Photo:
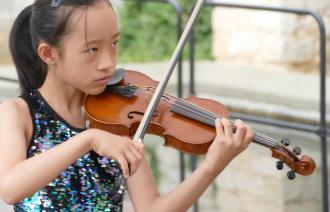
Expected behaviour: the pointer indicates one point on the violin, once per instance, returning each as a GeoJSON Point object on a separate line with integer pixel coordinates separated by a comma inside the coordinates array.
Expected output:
{"type": "Point", "coordinates": [187, 125]}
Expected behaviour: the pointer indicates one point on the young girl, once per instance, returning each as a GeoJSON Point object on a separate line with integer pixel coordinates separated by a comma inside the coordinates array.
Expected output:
{"type": "Point", "coordinates": [64, 50]}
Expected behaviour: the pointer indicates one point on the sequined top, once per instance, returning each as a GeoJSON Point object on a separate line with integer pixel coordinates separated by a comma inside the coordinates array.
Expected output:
{"type": "Point", "coordinates": [92, 183]}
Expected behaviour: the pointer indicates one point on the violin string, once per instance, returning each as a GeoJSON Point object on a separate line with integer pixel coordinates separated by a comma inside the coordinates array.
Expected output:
{"type": "Point", "coordinates": [189, 108]}
{"type": "Point", "coordinates": [262, 138]}
{"type": "Point", "coordinates": [258, 138]}
{"type": "Point", "coordinates": [203, 117]}
{"type": "Point", "coordinates": [212, 116]}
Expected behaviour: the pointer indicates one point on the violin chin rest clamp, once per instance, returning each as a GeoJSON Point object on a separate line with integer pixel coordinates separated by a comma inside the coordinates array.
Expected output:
{"type": "Point", "coordinates": [88, 124]}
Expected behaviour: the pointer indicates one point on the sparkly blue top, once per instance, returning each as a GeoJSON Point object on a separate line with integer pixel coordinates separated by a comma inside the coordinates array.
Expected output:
{"type": "Point", "coordinates": [92, 183]}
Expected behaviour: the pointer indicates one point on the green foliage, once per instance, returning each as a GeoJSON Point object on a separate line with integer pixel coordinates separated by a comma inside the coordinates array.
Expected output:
{"type": "Point", "coordinates": [148, 31]}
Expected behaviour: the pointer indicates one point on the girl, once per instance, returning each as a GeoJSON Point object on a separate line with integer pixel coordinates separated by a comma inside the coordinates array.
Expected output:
{"type": "Point", "coordinates": [63, 50]}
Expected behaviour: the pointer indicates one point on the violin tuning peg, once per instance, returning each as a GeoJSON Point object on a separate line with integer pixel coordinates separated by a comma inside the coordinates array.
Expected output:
{"type": "Point", "coordinates": [285, 141]}
{"type": "Point", "coordinates": [88, 124]}
{"type": "Point", "coordinates": [297, 150]}
{"type": "Point", "coordinates": [279, 165]}
{"type": "Point", "coordinates": [291, 175]}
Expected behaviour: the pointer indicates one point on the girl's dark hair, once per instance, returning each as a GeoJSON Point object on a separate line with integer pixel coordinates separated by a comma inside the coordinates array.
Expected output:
{"type": "Point", "coordinates": [39, 22]}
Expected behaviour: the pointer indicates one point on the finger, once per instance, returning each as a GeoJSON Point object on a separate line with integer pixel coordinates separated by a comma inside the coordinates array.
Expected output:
{"type": "Point", "coordinates": [228, 130]}
{"type": "Point", "coordinates": [133, 161]}
{"type": "Point", "coordinates": [124, 165]}
{"type": "Point", "coordinates": [139, 141]}
{"type": "Point", "coordinates": [139, 147]}
{"type": "Point", "coordinates": [249, 135]}
{"type": "Point", "coordinates": [219, 129]}
{"type": "Point", "coordinates": [240, 130]}
{"type": "Point", "coordinates": [136, 152]}
{"type": "Point", "coordinates": [134, 146]}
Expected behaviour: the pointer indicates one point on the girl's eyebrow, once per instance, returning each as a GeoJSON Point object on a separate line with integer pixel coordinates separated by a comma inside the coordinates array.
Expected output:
{"type": "Point", "coordinates": [117, 34]}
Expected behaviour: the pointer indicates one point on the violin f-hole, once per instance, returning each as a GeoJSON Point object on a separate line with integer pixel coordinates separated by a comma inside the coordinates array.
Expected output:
{"type": "Point", "coordinates": [131, 115]}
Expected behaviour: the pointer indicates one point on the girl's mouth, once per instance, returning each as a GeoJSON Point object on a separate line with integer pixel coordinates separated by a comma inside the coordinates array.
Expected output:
{"type": "Point", "coordinates": [103, 80]}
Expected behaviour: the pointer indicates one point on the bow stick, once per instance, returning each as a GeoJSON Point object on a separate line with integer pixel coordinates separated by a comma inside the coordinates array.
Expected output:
{"type": "Point", "coordinates": [141, 131]}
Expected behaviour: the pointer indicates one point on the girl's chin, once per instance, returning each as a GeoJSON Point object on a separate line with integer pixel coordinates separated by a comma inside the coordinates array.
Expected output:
{"type": "Point", "coordinates": [95, 91]}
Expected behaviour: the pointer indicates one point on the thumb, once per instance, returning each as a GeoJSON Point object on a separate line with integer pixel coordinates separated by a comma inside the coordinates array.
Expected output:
{"type": "Point", "coordinates": [139, 145]}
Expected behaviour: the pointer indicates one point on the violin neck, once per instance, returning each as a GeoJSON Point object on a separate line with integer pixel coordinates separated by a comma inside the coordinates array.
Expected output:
{"type": "Point", "coordinates": [196, 113]}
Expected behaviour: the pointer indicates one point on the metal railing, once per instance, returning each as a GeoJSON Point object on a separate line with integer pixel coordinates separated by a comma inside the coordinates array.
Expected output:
{"type": "Point", "coordinates": [9, 79]}
{"type": "Point", "coordinates": [319, 130]}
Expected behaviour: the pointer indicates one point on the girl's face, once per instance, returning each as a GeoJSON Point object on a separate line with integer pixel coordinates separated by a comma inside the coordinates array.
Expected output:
{"type": "Point", "coordinates": [89, 67]}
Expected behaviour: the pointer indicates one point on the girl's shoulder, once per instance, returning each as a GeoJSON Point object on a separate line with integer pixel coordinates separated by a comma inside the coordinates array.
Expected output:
{"type": "Point", "coordinates": [16, 106]}
{"type": "Point", "coordinates": [15, 113]}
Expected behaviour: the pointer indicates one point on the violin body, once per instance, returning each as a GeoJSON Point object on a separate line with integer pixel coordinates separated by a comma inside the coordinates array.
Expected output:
{"type": "Point", "coordinates": [121, 115]}
{"type": "Point", "coordinates": [187, 125]}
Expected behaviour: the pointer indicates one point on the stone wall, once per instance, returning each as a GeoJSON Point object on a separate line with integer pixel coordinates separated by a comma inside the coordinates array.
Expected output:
{"type": "Point", "coordinates": [8, 11]}
{"type": "Point", "coordinates": [268, 38]}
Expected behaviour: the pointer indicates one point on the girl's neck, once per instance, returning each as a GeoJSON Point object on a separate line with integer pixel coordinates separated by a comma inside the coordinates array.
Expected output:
{"type": "Point", "coordinates": [65, 100]}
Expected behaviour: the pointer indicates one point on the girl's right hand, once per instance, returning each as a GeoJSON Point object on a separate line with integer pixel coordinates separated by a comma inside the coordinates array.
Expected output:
{"type": "Point", "coordinates": [127, 152]}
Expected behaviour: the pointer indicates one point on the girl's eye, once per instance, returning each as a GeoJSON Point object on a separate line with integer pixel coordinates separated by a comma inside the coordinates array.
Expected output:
{"type": "Point", "coordinates": [115, 44]}
{"type": "Point", "coordinates": [92, 50]}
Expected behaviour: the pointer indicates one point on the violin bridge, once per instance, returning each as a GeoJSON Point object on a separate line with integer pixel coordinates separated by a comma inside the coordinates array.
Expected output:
{"type": "Point", "coordinates": [149, 95]}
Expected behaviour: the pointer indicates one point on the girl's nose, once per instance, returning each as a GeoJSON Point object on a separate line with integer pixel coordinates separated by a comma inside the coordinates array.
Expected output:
{"type": "Point", "coordinates": [108, 62]}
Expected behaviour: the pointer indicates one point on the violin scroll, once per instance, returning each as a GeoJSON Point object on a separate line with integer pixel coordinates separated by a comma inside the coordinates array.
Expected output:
{"type": "Point", "coordinates": [303, 166]}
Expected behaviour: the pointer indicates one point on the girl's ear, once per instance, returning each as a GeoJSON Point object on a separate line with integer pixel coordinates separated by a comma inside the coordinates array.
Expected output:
{"type": "Point", "coordinates": [47, 53]}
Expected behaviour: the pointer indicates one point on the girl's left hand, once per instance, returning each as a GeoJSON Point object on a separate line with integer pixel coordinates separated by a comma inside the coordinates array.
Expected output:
{"type": "Point", "coordinates": [227, 144]}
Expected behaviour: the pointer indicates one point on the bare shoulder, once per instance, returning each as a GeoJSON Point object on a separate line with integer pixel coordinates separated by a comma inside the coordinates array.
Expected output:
{"type": "Point", "coordinates": [14, 108]}
{"type": "Point", "coordinates": [15, 116]}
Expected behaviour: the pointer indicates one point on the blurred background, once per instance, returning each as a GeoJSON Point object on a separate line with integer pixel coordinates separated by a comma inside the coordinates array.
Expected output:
{"type": "Point", "coordinates": [258, 63]}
